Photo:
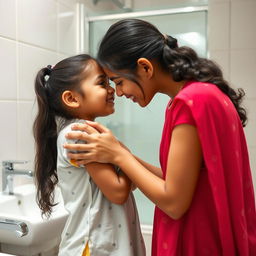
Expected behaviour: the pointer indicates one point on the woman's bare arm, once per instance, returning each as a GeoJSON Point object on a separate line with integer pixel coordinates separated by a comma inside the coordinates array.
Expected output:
{"type": "Point", "coordinates": [172, 195]}
{"type": "Point", "coordinates": [155, 170]}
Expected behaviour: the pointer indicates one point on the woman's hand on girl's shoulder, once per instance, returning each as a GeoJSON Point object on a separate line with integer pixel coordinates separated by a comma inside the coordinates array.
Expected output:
{"type": "Point", "coordinates": [101, 145]}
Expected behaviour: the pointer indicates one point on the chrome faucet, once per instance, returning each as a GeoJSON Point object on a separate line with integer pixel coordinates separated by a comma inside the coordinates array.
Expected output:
{"type": "Point", "coordinates": [18, 227]}
{"type": "Point", "coordinates": [8, 172]}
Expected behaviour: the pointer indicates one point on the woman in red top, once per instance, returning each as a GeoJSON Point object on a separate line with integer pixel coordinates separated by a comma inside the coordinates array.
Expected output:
{"type": "Point", "coordinates": [203, 191]}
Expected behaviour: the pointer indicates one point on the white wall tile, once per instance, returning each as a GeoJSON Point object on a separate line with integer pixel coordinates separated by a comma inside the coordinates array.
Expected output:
{"type": "Point", "coordinates": [23, 51]}
{"type": "Point", "coordinates": [37, 22]}
{"type": "Point", "coordinates": [67, 29]}
{"type": "Point", "coordinates": [8, 78]}
{"type": "Point", "coordinates": [243, 28]}
{"type": "Point", "coordinates": [61, 57]}
{"type": "Point", "coordinates": [240, 0]}
{"type": "Point", "coordinates": [8, 136]}
{"type": "Point", "coordinates": [222, 57]}
{"type": "Point", "coordinates": [217, 1]}
{"type": "Point", "coordinates": [218, 18]}
{"type": "Point", "coordinates": [8, 18]}
{"type": "Point", "coordinates": [251, 126]}
{"type": "Point", "coordinates": [69, 3]}
{"type": "Point", "coordinates": [252, 155]}
{"type": "Point", "coordinates": [242, 57]}
{"type": "Point", "coordinates": [25, 139]}
{"type": "Point", "coordinates": [250, 131]}
{"type": "Point", "coordinates": [148, 243]}
{"type": "Point", "coordinates": [161, 4]}
{"type": "Point", "coordinates": [243, 70]}
{"type": "Point", "coordinates": [102, 7]}
{"type": "Point", "coordinates": [31, 60]}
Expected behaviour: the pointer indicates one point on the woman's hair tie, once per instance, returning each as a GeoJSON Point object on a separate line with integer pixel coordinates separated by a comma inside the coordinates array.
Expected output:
{"type": "Point", "coordinates": [165, 37]}
{"type": "Point", "coordinates": [170, 41]}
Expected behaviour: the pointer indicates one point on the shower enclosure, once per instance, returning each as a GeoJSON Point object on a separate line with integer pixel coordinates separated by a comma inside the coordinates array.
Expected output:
{"type": "Point", "coordinates": [140, 128]}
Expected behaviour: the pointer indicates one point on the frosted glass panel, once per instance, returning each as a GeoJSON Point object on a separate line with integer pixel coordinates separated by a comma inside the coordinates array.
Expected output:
{"type": "Point", "coordinates": [140, 128]}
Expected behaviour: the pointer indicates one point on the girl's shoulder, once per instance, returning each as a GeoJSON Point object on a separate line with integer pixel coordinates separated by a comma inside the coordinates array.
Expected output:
{"type": "Point", "coordinates": [66, 126]}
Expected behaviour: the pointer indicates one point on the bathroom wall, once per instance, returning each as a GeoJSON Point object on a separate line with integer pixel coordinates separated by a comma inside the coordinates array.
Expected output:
{"type": "Point", "coordinates": [33, 34]}
{"type": "Point", "coordinates": [162, 4]}
{"type": "Point", "coordinates": [231, 41]}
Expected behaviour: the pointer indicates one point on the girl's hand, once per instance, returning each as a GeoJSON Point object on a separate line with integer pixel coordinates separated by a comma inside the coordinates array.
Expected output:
{"type": "Point", "coordinates": [101, 145]}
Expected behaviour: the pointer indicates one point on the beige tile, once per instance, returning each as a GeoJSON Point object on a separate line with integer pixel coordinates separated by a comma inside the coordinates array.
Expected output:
{"type": "Point", "coordinates": [250, 128]}
{"type": "Point", "coordinates": [222, 57]}
{"type": "Point", "coordinates": [241, 1]}
{"type": "Point", "coordinates": [243, 28]}
{"type": "Point", "coordinates": [250, 104]}
{"type": "Point", "coordinates": [217, 1]}
{"type": "Point", "coordinates": [243, 70]}
{"type": "Point", "coordinates": [219, 26]}
{"type": "Point", "coordinates": [252, 155]}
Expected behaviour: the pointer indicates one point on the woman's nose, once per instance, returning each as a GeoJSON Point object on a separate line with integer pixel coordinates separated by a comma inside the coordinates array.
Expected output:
{"type": "Point", "coordinates": [119, 92]}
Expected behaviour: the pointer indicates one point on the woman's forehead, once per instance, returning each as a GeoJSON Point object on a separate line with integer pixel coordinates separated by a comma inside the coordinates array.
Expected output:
{"type": "Point", "coordinates": [110, 73]}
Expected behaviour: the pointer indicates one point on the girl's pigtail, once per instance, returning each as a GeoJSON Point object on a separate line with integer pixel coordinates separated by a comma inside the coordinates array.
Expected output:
{"type": "Point", "coordinates": [45, 134]}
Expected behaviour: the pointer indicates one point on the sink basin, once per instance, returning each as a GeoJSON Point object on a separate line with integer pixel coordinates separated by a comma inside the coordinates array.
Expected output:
{"type": "Point", "coordinates": [22, 208]}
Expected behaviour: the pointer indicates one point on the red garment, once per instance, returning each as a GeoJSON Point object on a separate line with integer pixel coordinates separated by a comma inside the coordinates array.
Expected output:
{"type": "Point", "coordinates": [221, 219]}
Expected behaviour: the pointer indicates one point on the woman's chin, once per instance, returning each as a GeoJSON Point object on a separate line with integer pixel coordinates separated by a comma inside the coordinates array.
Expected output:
{"type": "Point", "coordinates": [142, 103]}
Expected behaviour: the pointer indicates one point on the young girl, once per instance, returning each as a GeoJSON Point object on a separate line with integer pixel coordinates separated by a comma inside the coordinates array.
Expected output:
{"type": "Point", "coordinates": [103, 217]}
{"type": "Point", "coordinates": [203, 192]}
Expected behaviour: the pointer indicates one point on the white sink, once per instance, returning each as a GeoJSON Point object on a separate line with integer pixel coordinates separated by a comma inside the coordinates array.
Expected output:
{"type": "Point", "coordinates": [22, 208]}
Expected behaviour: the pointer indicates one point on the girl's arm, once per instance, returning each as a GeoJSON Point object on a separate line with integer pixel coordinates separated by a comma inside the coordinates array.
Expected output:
{"type": "Point", "coordinates": [173, 195]}
{"type": "Point", "coordinates": [115, 186]}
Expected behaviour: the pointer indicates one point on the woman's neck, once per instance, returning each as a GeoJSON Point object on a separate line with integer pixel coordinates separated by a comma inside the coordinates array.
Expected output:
{"type": "Point", "coordinates": [169, 87]}
{"type": "Point", "coordinates": [165, 83]}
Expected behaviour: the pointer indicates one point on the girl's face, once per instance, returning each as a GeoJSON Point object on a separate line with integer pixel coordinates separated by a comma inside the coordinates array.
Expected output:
{"type": "Point", "coordinates": [97, 97]}
{"type": "Point", "coordinates": [124, 87]}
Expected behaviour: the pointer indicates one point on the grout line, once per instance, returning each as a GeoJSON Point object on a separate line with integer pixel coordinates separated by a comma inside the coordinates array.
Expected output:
{"type": "Point", "coordinates": [17, 77]}
{"type": "Point", "coordinates": [9, 38]}
{"type": "Point", "coordinates": [15, 100]}
{"type": "Point", "coordinates": [229, 42]}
